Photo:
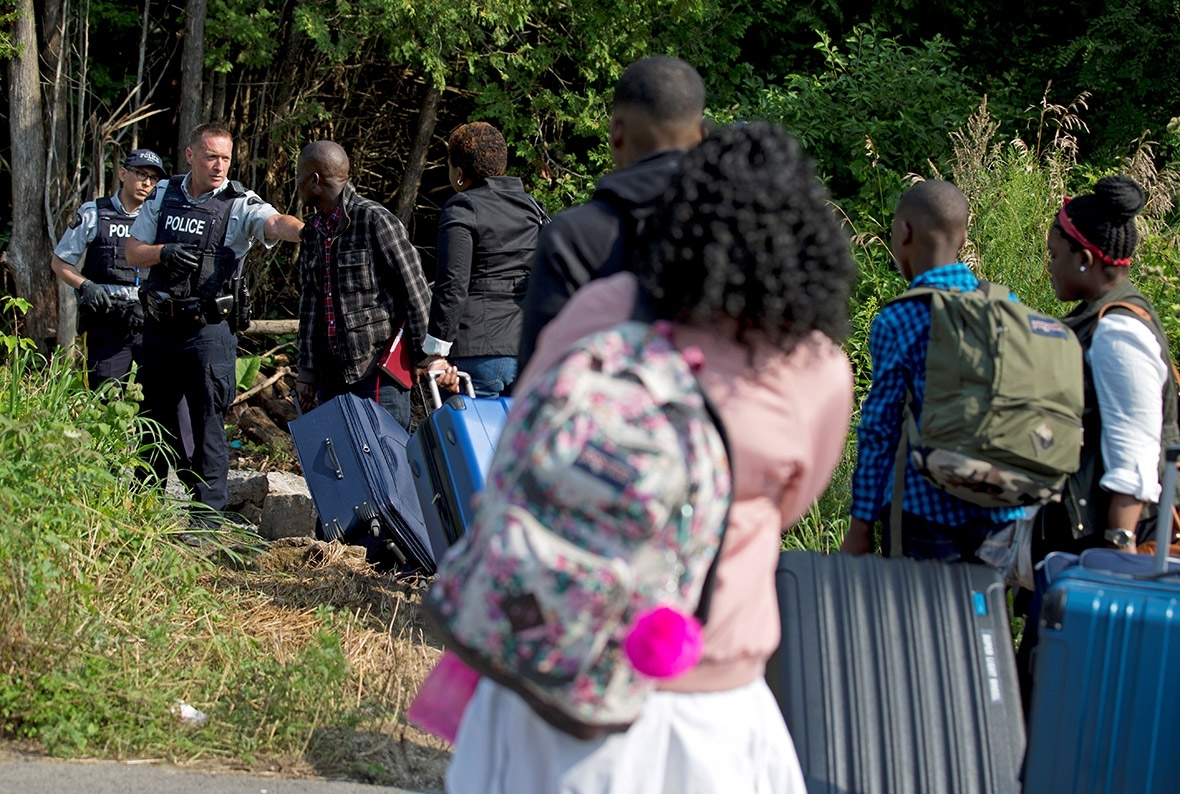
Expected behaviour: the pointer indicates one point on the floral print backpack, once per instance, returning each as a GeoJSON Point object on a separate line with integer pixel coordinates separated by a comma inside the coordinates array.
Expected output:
{"type": "Point", "coordinates": [596, 537]}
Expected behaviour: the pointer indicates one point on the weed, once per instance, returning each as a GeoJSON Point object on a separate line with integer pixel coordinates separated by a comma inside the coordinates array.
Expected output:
{"type": "Point", "coordinates": [106, 619]}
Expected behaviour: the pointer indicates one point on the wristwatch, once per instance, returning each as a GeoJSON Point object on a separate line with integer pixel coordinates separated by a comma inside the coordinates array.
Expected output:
{"type": "Point", "coordinates": [1120, 538]}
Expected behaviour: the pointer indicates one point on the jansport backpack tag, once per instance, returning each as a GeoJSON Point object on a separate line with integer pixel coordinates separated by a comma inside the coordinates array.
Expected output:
{"type": "Point", "coordinates": [1001, 418]}
{"type": "Point", "coordinates": [607, 498]}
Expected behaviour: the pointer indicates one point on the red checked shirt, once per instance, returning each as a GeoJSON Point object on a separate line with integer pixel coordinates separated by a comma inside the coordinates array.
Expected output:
{"type": "Point", "coordinates": [327, 226]}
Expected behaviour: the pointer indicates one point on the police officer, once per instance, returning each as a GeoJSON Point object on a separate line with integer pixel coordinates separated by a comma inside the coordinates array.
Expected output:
{"type": "Point", "coordinates": [192, 235]}
{"type": "Point", "coordinates": [109, 312]}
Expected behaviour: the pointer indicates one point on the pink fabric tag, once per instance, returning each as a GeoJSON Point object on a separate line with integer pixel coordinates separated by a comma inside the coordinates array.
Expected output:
{"type": "Point", "coordinates": [440, 703]}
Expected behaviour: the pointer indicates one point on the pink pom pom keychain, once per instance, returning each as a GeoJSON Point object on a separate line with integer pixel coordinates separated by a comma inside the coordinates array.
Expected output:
{"type": "Point", "coordinates": [664, 643]}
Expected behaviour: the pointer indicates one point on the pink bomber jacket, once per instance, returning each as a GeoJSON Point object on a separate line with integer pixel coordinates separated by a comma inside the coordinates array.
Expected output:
{"type": "Point", "coordinates": [787, 419]}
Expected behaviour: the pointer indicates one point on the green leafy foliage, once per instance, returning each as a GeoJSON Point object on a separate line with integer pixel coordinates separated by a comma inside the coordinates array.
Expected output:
{"type": "Point", "coordinates": [246, 369]}
{"type": "Point", "coordinates": [877, 110]}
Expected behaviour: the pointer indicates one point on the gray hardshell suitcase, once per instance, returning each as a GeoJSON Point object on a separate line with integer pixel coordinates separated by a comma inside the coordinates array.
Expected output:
{"type": "Point", "coordinates": [896, 676]}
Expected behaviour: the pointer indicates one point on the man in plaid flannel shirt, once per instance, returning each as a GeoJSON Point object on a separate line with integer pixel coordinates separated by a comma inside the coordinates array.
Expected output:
{"type": "Point", "coordinates": [361, 279]}
{"type": "Point", "coordinates": [929, 230]}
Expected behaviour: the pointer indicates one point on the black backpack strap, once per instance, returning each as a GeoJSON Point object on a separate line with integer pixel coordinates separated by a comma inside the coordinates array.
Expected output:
{"type": "Point", "coordinates": [909, 429]}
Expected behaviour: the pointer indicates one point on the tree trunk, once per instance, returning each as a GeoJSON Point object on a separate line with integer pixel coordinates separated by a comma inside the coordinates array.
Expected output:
{"type": "Point", "coordinates": [218, 110]}
{"type": "Point", "coordinates": [407, 192]}
{"type": "Point", "coordinates": [192, 71]}
{"type": "Point", "coordinates": [28, 250]}
{"type": "Point", "coordinates": [136, 102]}
{"type": "Point", "coordinates": [59, 179]}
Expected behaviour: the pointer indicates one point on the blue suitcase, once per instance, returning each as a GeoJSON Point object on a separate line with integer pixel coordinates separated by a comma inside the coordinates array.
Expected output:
{"type": "Point", "coordinates": [353, 454]}
{"type": "Point", "coordinates": [450, 453]}
{"type": "Point", "coordinates": [1105, 715]}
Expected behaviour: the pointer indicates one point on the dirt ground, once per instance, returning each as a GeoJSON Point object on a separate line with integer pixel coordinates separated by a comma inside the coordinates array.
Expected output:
{"type": "Point", "coordinates": [388, 648]}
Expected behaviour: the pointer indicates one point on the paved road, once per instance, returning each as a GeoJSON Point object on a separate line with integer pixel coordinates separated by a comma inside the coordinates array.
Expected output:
{"type": "Point", "coordinates": [21, 775]}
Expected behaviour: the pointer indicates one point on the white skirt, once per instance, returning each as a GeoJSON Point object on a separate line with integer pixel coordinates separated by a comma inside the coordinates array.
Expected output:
{"type": "Point", "coordinates": [732, 742]}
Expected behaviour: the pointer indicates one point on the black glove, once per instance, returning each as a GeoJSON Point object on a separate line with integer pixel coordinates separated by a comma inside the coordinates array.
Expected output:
{"type": "Point", "coordinates": [93, 297]}
{"type": "Point", "coordinates": [182, 260]}
{"type": "Point", "coordinates": [133, 316]}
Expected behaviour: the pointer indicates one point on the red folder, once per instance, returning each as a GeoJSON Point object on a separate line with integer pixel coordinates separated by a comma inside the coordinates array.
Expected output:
{"type": "Point", "coordinates": [395, 359]}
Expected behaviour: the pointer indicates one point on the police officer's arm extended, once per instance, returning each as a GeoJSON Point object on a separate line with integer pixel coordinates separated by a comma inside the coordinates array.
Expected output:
{"type": "Point", "coordinates": [282, 227]}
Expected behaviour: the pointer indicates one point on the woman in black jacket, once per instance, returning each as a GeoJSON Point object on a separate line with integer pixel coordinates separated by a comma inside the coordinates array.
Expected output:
{"type": "Point", "coordinates": [486, 238]}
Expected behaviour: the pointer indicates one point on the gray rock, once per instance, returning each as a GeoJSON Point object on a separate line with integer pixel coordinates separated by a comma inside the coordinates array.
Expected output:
{"type": "Point", "coordinates": [246, 488]}
{"type": "Point", "coordinates": [174, 488]}
{"type": "Point", "coordinates": [288, 511]}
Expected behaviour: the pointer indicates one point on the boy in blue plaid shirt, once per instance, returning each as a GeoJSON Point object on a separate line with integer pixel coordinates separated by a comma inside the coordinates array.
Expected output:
{"type": "Point", "coordinates": [929, 230]}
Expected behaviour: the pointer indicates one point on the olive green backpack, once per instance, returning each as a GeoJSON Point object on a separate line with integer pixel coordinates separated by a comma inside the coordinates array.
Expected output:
{"type": "Point", "coordinates": [1001, 419]}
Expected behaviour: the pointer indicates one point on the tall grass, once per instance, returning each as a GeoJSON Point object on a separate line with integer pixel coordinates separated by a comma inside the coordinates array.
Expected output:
{"type": "Point", "coordinates": [106, 620]}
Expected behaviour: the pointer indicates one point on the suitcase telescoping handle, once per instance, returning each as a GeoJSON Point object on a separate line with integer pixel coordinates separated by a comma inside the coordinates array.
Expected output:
{"type": "Point", "coordinates": [463, 376]}
{"type": "Point", "coordinates": [1163, 535]}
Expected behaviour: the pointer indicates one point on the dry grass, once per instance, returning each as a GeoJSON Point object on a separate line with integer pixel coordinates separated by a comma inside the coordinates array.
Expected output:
{"type": "Point", "coordinates": [384, 639]}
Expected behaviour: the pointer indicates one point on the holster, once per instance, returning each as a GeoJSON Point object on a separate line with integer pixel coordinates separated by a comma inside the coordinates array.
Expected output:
{"type": "Point", "coordinates": [240, 316]}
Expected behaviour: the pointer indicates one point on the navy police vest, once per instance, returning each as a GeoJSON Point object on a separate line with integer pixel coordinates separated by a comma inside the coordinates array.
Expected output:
{"type": "Point", "coordinates": [201, 225]}
{"type": "Point", "coordinates": [106, 260]}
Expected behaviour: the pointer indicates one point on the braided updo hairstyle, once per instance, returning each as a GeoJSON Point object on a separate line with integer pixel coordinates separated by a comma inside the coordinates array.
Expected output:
{"type": "Point", "coordinates": [479, 149]}
{"type": "Point", "coordinates": [745, 232]}
{"type": "Point", "coordinates": [1106, 217]}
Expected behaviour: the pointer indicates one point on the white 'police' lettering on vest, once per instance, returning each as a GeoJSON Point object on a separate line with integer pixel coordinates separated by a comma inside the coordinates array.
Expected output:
{"type": "Point", "coordinates": [119, 230]}
{"type": "Point", "coordinates": [185, 225]}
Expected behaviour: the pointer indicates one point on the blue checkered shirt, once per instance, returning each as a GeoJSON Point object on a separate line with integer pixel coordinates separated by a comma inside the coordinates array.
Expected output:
{"type": "Point", "coordinates": [897, 344]}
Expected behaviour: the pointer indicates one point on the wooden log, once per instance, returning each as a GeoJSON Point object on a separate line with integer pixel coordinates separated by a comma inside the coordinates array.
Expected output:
{"type": "Point", "coordinates": [277, 403]}
{"type": "Point", "coordinates": [272, 327]}
{"type": "Point", "coordinates": [258, 427]}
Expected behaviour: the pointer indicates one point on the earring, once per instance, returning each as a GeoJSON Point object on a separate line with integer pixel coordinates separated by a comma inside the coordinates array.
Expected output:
{"type": "Point", "coordinates": [1082, 269]}
{"type": "Point", "coordinates": [458, 181]}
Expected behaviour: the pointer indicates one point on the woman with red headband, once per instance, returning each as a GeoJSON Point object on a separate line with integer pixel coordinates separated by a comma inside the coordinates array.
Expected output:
{"type": "Point", "coordinates": [1131, 391]}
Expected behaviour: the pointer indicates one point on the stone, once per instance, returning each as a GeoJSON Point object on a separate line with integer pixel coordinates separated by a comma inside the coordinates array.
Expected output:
{"type": "Point", "coordinates": [246, 488]}
{"type": "Point", "coordinates": [288, 511]}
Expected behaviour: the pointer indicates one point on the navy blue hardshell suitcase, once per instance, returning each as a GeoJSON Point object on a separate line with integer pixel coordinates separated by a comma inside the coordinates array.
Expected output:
{"type": "Point", "coordinates": [1105, 715]}
{"type": "Point", "coordinates": [897, 675]}
{"type": "Point", "coordinates": [353, 454]}
{"type": "Point", "coordinates": [450, 453]}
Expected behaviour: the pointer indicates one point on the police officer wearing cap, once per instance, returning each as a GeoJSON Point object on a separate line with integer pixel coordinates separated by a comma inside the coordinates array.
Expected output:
{"type": "Point", "coordinates": [109, 311]}
{"type": "Point", "coordinates": [192, 235]}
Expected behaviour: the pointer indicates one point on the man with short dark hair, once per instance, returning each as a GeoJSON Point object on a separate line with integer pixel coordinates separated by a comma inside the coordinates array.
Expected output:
{"type": "Point", "coordinates": [361, 280]}
{"type": "Point", "coordinates": [109, 313]}
{"type": "Point", "coordinates": [192, 235]}
{"type": "Point", "coordinates": [928, 233]}
{"type": "Point", "coordinates": [658, 113]}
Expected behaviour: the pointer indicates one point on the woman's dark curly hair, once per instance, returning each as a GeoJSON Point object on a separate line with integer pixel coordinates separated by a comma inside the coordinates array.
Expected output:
{"type": "Point", "coordinates": [479, 149]}
{"type": "Point", "coordinates": [745, 232]}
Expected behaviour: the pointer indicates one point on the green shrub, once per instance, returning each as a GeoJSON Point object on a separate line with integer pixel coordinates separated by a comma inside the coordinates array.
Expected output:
{"type": "Point", "coordinates": [876, 111]}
